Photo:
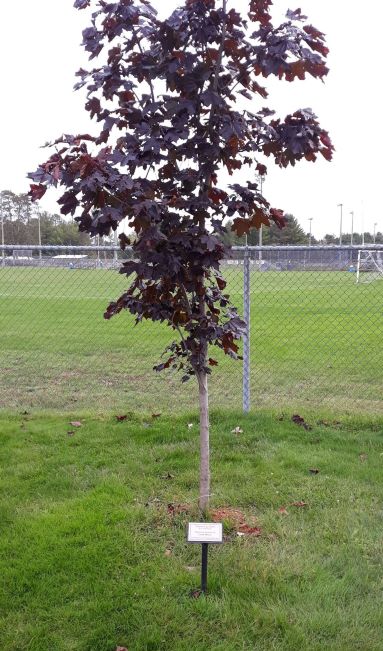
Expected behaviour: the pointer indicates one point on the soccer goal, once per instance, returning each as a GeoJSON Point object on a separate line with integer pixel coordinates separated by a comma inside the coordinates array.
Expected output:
{"type": "Point", "coordinates": [370, 266]}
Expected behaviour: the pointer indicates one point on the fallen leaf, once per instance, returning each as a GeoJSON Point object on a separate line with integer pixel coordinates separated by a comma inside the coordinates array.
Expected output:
{"type": "Point", "coordinates": [190, 425]}
{"type": "Point", "coordinates": [168, 552]}
{"type": "Point", "coordinates": [237, 430]}
{"type": "Point", "coordinates": [283, 511]}
{"type": "Point", "coordinates": [298, 420]}
{"type": "Point", "coordinates": [299, 504]}
{"type": "Point", "coordinates": [314, 471]}
{"type": "Point", "coordinates": [250, 531]}
{"type": "Point", "coordinates": [190, 568]}
{"type": "Point", "coordinates": [156, 415]}
{"type": "Point", "coordinates": [75, 423]}
{"type": "Point", "coordinates": [195, 594]}
{"type": "Point", "coordinates": [240, 534]}
{"type": "Point", "coordinates": [121, 418]}
{"type": "Point", "coordinates": [121, 648]}
{"type": "Point", "coordinates": [167, 476]}
{"type": "Point", "coordinates": [71, 432]}
{"type": "Point", "coordinates": [175, 509]}
{"type": "Point", "coordinates": [363, 457]}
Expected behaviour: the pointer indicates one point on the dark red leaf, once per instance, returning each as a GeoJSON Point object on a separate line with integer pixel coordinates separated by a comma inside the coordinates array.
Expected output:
{"type": "Point", "coordinates": [37, 191]}
{"type": "Point", "coordinates": [298, 420]}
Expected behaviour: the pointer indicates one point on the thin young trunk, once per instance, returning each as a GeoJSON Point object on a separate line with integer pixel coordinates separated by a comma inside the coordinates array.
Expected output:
{"type": "Point", "coordinates": [204, 477]}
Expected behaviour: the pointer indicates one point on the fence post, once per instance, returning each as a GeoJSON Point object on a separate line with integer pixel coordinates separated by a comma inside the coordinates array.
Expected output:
{"type": "Point", "coordinates": [246, 338]}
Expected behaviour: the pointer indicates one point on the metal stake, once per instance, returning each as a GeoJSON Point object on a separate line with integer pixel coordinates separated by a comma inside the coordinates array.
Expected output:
{"type": "Point", "coordinates": [205, 549]}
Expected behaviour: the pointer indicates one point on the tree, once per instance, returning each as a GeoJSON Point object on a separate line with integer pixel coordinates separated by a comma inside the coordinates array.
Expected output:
{"type": "Point", "coordinates": [177, 103]}
{"type": "Point", "coordinates": [21, 223]}
{"type": "Point", "coordinates": [291, 234]}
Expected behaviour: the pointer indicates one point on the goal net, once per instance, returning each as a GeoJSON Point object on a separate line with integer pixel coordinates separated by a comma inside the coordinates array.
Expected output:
{"type": "Point", "coordinates": [370, 266]}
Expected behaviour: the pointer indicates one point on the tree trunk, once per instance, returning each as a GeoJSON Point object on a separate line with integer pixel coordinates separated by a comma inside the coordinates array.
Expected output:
{"type": "Point", "coordinates": [204, 477]}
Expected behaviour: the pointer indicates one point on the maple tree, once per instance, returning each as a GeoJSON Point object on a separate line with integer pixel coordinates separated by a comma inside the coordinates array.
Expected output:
{"type": "Point", "coordinates": [180, 103]}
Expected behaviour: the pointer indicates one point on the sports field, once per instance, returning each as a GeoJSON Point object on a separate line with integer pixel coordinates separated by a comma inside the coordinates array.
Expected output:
{"type": "Point", "coordinates": [93, 508]}
{"type": "Point", "coordinates": [316, 340]}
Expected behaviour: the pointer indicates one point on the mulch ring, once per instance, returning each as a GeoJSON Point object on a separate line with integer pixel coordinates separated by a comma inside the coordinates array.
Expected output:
{"type": "Point", "coordinates": [244, 526]}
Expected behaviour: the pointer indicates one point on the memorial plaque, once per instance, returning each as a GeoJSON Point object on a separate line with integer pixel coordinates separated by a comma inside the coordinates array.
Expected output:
{"type": "Point", "coordinates": [205, 532]}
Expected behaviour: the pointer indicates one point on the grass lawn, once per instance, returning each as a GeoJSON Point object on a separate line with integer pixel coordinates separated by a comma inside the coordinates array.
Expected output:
{"type": "Point", "coordinates": [91, 557]}
{"type": "Point", "coordinates": [316, 340]}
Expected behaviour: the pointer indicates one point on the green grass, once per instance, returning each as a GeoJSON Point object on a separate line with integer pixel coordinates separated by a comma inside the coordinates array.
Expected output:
{"type": "Point", "coordinates": [315, 341]}
{"type": "Point", "coordinates": [84, 530]}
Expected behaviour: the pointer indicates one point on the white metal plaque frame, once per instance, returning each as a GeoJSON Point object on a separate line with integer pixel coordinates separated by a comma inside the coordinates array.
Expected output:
{"type": "Point", "coordinates": [205, 532]}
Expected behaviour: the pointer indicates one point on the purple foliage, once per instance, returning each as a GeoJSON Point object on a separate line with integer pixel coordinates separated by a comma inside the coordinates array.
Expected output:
{"type": "Point", "coordinates": [166, 96]}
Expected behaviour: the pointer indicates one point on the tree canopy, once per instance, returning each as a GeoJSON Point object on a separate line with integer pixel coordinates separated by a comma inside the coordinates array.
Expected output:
{"type": "Point", "coordinates": [167, 96]}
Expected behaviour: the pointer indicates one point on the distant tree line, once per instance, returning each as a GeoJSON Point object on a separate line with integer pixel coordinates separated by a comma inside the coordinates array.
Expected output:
{"type": "Point", "coordinates": [20, 219]}
{"type": "Point", "coordinates": [357, 238]}
{"type": "Point", "coordinates": [292, 234]}
{"type": "Point", "coordinates": [21, 226]}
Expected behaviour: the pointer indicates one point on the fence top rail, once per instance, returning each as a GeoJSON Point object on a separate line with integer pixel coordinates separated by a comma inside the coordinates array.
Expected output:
{"type": "Point", "coordinates": [243, 249]}
{"type": "Point", "coordinates": [317, 247]}
{"type": "Point", "coordinates": [57, 247]}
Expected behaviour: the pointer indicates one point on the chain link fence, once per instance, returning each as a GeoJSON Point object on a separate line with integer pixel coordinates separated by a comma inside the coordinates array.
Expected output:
{"type": "Point", "coordinates": [314, 334]}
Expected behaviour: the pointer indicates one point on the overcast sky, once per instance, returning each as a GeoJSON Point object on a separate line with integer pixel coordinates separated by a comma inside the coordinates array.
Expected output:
{"type": "Point", "coordinates": [40, 52]}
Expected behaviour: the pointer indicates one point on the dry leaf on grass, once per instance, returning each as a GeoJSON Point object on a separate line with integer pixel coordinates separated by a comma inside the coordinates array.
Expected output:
{"type": "Point", "coordinates": [175, 509]}
{"type": "Point", "coordinates": [298, 420]}
{"type": "Point", "coordinates": [237, 430]}
{"type": "Point", "coordinates": [196, 594]}
{"type": "Point", "coordinates": [75, 423]}
{"type": "Point", "coordinates": [283, 511]}
{"type": "Point", "coordinates": [71, 433]}
{"type": "Point", "coordinates": [299, 504]}
{"type": "Point", "coordinates": [250, 531]}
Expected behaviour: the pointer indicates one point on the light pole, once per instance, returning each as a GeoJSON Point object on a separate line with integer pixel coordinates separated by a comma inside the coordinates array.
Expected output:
{"type": "Point", "coordinates": [375, 225]}
{"type": "Point", "coordinates": [310, 220]}
{"type": "Point", "coordinates": [115, 244]}
{"type": "Point", "coordinates": [340, 205]}
{"type": "Point", "coordinates": [352, 227]}
{"type": "Point", "coordinates": [260, 230]}
{"type": "Point", "coordinates": [39, 227]}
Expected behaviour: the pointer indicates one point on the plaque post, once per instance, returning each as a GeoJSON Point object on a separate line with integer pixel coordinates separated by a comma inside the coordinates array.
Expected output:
{"type": "Point", "coordinates": [205, 533]}
{"type": "Point", "coordinates": [205, 550]}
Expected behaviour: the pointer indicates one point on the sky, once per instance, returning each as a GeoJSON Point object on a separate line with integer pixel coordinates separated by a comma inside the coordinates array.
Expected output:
{"type": "Point", "coordinates": [40, 53]}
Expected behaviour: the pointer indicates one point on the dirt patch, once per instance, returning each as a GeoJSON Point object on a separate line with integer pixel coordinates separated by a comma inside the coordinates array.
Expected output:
{"type": "Point", "coordinates": [238, 520]}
